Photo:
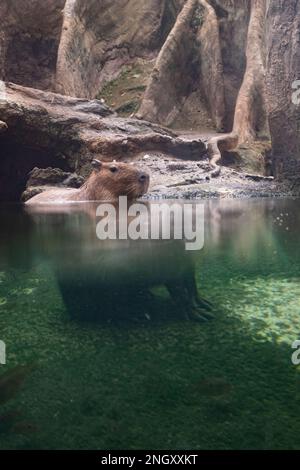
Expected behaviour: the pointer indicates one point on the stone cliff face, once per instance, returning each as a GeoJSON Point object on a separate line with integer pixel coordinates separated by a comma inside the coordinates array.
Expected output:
{"type": "Point", "coordinates": [99, 38]}
{"type": "Point", "coordinates": [206, 48]}
{"type": "Point", "coordinates": [216, 65]}
{"type": "Point", "coordinates": [30, 33]}
{"type": "Point", "coordinates": [77, 47]}
{"type": "Point", "coordinates": [283, 71]}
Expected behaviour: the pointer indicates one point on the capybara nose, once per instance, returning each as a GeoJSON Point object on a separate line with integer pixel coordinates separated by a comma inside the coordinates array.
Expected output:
{"type": "Point", "coordinates": [143, 177]}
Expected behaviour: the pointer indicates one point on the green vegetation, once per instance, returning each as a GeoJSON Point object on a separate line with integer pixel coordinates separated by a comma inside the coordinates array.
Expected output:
{"type": "Point", "coordinates": [124, 94]}
{"type": "Point", "coordinates": [198, 18]}
{"type": "Point", "coordinates": [128, 108]}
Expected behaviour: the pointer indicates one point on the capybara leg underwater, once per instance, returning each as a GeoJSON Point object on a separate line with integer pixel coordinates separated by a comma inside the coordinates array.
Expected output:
{"type": "Point", "coordinates": [188, 304]}
{"type": "Point", "coordinates": [199, 304]}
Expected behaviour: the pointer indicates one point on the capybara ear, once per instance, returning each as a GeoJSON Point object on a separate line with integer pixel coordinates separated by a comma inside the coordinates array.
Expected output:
{"type": "Point", "coordinates": [96, 164]}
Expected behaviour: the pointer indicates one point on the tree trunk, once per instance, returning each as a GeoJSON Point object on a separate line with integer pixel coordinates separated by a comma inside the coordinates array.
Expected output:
{"type": "Point", "coordinates": [250, 112]}
{"type": "Point", "coordinates": [250, 116]}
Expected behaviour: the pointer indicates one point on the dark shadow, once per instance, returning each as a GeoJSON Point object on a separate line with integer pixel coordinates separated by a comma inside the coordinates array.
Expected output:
{"type": "Point", "coordinates": [18, 158]}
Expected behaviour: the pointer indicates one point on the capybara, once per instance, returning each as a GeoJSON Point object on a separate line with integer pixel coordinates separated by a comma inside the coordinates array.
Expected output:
{"type": "Point", "coordinates": [107, 182]}
{"type": "Point", "coordinates": [114, 277]}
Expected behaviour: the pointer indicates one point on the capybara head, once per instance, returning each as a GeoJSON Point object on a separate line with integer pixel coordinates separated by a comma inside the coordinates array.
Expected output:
{"type": "Point", "coordinates": [108, 181]}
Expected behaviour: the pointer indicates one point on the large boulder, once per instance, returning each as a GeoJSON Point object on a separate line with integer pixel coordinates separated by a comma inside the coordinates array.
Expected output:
{"type": "Point", "coordinates": [43, 129]}
{"type": "Point", "coordinates": [29, 40]}
{"type": "Point", "coordinates": [283, 71]}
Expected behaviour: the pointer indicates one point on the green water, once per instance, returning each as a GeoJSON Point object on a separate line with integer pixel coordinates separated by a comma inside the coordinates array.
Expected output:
{"type": "Point", "coordinates": [140, 375]}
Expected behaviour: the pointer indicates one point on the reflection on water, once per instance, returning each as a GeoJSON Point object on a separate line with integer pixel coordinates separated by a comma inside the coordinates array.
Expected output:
{"type": "Point", "coordinates": [121, 363]}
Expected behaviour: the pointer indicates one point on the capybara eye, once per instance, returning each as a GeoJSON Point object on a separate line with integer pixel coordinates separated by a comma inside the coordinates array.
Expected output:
{"type": "Point", "coordinates": [113, 169]}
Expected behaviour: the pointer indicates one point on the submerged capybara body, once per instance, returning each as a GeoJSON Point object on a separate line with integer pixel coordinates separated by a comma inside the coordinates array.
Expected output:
{"type": "Point", "coordinates": [107, 182]}
{"type": "Point", "coordinates": [105, 279]}
{"type": "Point", "coordinates": [115, 283]}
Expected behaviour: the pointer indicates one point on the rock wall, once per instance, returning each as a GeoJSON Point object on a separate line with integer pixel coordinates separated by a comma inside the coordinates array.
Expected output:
{"type": "Point", "coordinates": [75, 47]}
{"type": "Point", "coordinates": [29, 39]}
{"type": "Point", "coordinates": [283, 69]}
{"type": "Point", "coordinates": [233, 19]}
{"type": "Point", "coordinates": [209, 58]}
{"type": "Point", "coordinates": [98, 38]}
{"type": "Point", "coordinates": [198, 62]}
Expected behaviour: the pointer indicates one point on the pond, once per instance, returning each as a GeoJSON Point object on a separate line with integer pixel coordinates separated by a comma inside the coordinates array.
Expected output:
{"type": "Point", "coordinates": [114, 358]}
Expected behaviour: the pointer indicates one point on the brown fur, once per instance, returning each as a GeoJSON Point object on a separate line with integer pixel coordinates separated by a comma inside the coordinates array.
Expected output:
{"type": "Point", "coordinates": [107, 182]}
